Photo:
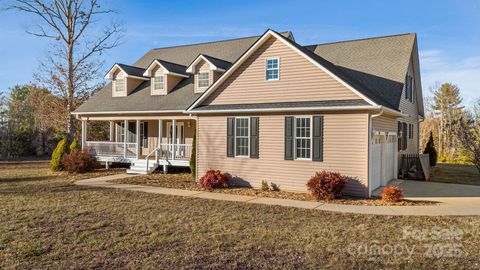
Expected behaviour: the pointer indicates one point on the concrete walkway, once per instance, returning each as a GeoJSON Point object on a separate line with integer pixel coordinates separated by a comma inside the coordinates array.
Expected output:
{"type": "Point", "coordinates": [448, 206]}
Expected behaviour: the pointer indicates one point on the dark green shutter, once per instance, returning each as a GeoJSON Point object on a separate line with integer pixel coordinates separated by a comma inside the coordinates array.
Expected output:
{"type": "Point", "coordinates": [405, 134]}
{"type": "Point", "coordinates": [230, 137]}
{"type": "Point", "coordinates": [400, 140]}
{"type": "Point", "coordinates": [407, 89]}
{"type": "Point", "coordinates": [317, 138]}
{"type": "Point", "coordinates": [254, 140]}
{"type": "Point", "coordinates": [289, 138]}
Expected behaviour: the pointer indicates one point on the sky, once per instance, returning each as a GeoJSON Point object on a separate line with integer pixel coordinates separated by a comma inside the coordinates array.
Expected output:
{"type": "Point", "coordinates": [448, 31]}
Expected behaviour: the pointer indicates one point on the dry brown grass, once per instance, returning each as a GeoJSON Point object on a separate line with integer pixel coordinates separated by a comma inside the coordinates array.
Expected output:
{"type": "Point", "coordinates": [48, 223]}
{"type": "Point", "coordinates": [186, 181]}
{"type": "Point", "coordinates": [455, 173]}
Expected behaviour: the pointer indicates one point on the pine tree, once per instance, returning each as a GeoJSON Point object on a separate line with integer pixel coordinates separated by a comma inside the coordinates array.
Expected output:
{"type": "Point", "coordinates": [447, 105]}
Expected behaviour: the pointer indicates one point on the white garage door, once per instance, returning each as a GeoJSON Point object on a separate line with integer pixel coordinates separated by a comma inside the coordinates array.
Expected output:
{"type": "Point", "coordinates": [383, 152]}
{"type": "Point", "coordinates": [376, 166]}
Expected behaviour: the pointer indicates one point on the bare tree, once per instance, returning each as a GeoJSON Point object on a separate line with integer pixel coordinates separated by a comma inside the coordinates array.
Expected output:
{"type": "Point", "coordinates": [468, 133]}
{"type": "Point", "coordinates": [72, 65]}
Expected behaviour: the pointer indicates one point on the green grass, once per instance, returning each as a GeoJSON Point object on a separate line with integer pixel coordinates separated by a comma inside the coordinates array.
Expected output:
{"type": "Point", "coordinates": [46, 222]}
{"type": "Point", "coordinates": [455, 173]}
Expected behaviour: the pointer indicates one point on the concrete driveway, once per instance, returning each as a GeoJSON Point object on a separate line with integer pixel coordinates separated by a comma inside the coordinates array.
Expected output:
{"type": "Point", "coordinates": [440, 192]}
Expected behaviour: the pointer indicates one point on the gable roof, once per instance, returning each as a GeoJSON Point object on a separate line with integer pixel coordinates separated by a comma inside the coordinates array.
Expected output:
{"type": "Point", "coordinates": [313, 58]}
{"type": "Point", "coordinates": [182, 95]}
{"type": "Point", "coordinates": [218, 64]}
{"type": "Point", "coordinates": [171, 68]}
{"type": "Point", "coordinates": [130, 71]}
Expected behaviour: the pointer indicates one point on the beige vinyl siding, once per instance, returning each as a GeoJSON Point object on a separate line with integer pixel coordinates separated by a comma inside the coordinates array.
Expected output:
{"type": "Point", "coordinates": [411, 109]}
{"type": "Point", "coordinates": [132, 84]}
{"type": "Point", "coordinates": [172, 81]}
{"type": "Point", "coordinates": [384, 123]}
{"type": "Point", "coordinates": [300, 80]}
{"type": "Point", "coordinates": [345, 150]}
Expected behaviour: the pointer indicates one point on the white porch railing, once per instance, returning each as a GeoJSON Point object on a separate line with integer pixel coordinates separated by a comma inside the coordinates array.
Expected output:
{"type": "Point", "coordinates": [112, 149]}
{"type": "Point", "coordinates": [175, 151]}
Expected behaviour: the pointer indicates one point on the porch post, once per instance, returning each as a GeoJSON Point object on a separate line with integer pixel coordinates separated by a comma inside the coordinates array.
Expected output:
{"type": "Point", "coordinates": [84, 134]}
{"type": "Point", "coordinates": [137, 135]}
{"type": "Point", "coordinates": [174, 137]}
{"type": "Point", "coordinates": [160, 132]}
{"type": "Point", "coordinates": [125, 134]}
{"type": "Point", "coordinates": [112, 130]}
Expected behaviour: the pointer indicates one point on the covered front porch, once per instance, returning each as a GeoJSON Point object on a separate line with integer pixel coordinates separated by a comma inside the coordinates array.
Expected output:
{"type": "Point", "coordinates": [147, 142]}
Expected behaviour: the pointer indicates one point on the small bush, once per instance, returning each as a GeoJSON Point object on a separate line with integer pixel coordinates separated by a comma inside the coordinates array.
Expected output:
{"type": "Point", "coordinates": [80, 162]}
{"type": "Point", "coordinates": [57, 155]}
{"type": "Point", "coordinates": [392, 194]}
{"type": "Point", "coordinates": [74, 146]}
{"type": "Point", "coordinates": [325, 185]}
{"type": "Point", "coordinates": [213, 179]}
{"type": "Point", "coordinates": [265, 186]}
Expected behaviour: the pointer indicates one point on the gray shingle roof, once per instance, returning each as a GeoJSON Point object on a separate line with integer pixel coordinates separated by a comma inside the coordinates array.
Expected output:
{"type": "Point", "coordinates": [131, 70]}
{"type": "Point", "coordinates": [218, 62]}
{"type": "Point", "coordinates": [172, 67]}
{"type": "Point", "coordinates": [284, 105]}
{"type": "Point", "coordinates": [375, 66]}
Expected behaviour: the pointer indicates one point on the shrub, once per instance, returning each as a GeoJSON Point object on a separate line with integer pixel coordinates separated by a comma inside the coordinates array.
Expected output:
{"type": "Point", "coordinates": [74, 146]}
{"type": "Point", "coordinates": [325, 185]}
{"type": "Point", "coordinates": [392, 194]}
{"type": "Point", "coordinates": [265, 186]}
{"type": "Point", "coordinates": [431, 151]}
{"type": "Point", "coordinates": [213, 179]}
{"type": "Point", "coordinates": [57, 155]}
{"type": "Point", "coordinates": [79, 162]}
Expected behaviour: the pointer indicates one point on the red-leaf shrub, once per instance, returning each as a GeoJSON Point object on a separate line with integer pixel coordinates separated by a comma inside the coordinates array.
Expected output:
{"type": "Point", "coordinates": [213, 179]}
{"type": "Point", "coordinates": [79, 162]}
{"type": "Point", "coordinates": [326, 185]}
{"type": "Point", "coordinates": [392, 194]}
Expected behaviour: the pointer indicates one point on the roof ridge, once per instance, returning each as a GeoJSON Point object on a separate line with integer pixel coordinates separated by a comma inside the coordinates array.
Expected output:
{"type": "Point", "coordinates": [360, 39]}
{"type": "Point", "coordinates": [208, 42]}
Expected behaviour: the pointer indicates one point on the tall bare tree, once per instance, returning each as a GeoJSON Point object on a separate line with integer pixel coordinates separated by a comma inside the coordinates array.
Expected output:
{"type": "Point", "coordinates": [72, 67]}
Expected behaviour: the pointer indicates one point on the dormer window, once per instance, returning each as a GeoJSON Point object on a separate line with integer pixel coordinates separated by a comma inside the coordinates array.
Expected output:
{"type": "Point", "coordinates": [120, 85]}
{"type": "Point", "coordinates": [158, 83]}
{"type": "Point", "coordinates": [272, 69]}
{"type": "Point", "coordinates": [203, 79]}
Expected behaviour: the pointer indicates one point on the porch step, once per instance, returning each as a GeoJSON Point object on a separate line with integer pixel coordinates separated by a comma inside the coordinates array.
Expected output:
{"type": "Point", "coordinates": [140, 167]}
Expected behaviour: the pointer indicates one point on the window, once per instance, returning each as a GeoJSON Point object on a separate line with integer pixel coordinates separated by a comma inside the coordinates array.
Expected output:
{"type": "Point", "coordinates": [303, 138]}
{"type": "Point", "coordinates": [410, 131]}
{"type": "Point", "coordinates": [203, 79]}
{"type": "Point", "coordinates": [120, 133]}
{"type": "Point", "coordinates": [241, 136]}
{"type": "Point", "coordinates": [119, 85]}
{"type": "Point", "coordinates": [272, 69]}
{"type": "Point", "coordinates": [158, 83]}
{"type": "Point", "coordinates": [409, 90]}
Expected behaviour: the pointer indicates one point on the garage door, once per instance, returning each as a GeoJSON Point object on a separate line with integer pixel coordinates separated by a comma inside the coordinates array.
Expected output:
{"type": "Point", "coordinates": [383, 151]}
{"type": "Point", "coordinates": [376, 166]}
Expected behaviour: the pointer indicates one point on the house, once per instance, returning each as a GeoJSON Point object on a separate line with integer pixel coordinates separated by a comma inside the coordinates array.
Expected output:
{"type": "Point", "coordinates": [266, 108]}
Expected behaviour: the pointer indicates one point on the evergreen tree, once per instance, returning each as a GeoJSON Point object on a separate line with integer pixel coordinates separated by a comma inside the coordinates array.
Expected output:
{"type": "Point", "coordinates": [431, 151]}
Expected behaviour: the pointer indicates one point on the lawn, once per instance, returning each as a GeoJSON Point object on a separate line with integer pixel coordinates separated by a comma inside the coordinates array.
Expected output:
{"type": "Point", "coordinates": [47, 222]}
{"type": "Point", "coordinates": [455, 173]}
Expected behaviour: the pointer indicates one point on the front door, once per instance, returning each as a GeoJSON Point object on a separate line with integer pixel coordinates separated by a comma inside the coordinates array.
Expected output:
{"type": "Point", "coordinates": [177, 145]}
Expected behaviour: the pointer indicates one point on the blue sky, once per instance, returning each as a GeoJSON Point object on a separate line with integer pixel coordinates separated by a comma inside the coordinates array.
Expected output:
{"type": "Point", "coordinates": [448, 31]}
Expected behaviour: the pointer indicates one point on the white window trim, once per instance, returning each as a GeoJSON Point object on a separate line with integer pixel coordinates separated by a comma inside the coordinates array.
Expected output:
{"type": "Point", "coordinates": [266, 68]}
{"type": "Point", "coordinates": [153, 84]}
{"type": "Point", "coordinates": [198, 79]}
{"type": "Point", "coordinates": [295, 137]}
{"type": "Point", "coordinates": [235, 137]}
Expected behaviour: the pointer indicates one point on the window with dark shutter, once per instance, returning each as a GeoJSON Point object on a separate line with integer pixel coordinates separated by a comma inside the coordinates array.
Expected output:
{"type": "Point", "coordinates": [289, 142]}
{"type": "Point", "coordinates": [317, 138]}
{"type": "Point", "coordinates": [254, 138]}
{"type": "Point", "coordinates": [399, 132]}
{"type": "Point", "coordinates": [407, 89]}
{"type": "Point", "coordinates": [230, 137]}
{"type": "Point", "coordinates": [405, 138]}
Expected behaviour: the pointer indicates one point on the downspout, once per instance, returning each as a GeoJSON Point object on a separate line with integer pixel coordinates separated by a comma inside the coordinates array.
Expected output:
{"type": "Point", "coordinates": [369, 149]}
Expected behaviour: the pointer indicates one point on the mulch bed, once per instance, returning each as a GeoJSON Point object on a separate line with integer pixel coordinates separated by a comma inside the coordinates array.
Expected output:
{"type": "Point", "coordinates": [186, 181]}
